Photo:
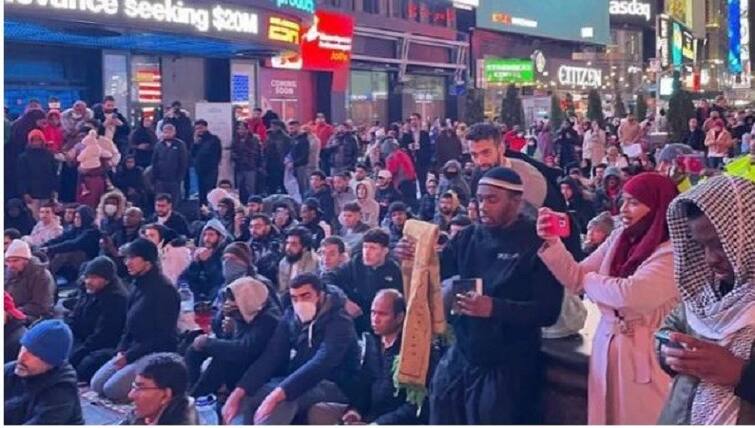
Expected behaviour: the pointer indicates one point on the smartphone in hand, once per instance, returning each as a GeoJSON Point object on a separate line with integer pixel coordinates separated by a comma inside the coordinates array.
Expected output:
{"type": "Point", "coordinates": [559, 224]}
{"type": "Point", "coordinates": [664, 337]}
{"type": "Point", "coordinates": [462, 287]}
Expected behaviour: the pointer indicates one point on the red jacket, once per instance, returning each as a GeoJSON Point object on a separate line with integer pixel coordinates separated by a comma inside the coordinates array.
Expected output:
{"type": "Point", "coordinates": [323, 131]}
{"type": "Point", "coordinates": [401, 167]}
{"type": "Point", "coordinates": [514, 142]}
{"type": "Point", "coordinates": [256, 126]}
{"type": "Point", "coordinates": [53, 138]}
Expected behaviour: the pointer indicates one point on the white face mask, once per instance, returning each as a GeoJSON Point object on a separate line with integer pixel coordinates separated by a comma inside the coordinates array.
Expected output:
{"type": "Point", "coordinates": [305, 311]}
{"type": "Point", "coordinates": [111, 209]}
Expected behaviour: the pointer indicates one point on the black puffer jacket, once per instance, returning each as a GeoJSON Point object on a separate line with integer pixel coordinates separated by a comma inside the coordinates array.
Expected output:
{"type": "Point", "coordinates": [169, 164]}
{"type": "Point", "coordinates": [44, 179]}
{"type": "Point", "coordinates": [85, 238]}
{"type": "Point", "coordinates": [51, 398]}
{"type": "Point", "coordinates": [206, 154]}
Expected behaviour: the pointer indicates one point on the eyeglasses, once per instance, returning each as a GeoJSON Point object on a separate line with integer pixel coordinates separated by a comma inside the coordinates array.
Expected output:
{"type": "Point", "coordinates": [136, 387]}
{"type": "Point", "coordinates": [382, 178]}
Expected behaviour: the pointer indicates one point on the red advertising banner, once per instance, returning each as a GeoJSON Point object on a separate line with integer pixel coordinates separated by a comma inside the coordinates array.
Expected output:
{"type": "Point", "coordinates": [326, 45]}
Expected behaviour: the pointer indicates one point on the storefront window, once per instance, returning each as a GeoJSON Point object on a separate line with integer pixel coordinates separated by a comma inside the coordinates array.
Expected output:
{"type": "Point", "coordinates": [425, 95]}
{"type": "Point", "coordinates": [115, 79]}
{"type": "Point", "coordinates": [146, 88]}
{"type": "Point", "coordinates": [368, 97]}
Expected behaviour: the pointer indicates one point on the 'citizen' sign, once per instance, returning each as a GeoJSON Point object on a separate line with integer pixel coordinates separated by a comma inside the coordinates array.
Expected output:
{"type": "Point", "coordinates": [579, 76]}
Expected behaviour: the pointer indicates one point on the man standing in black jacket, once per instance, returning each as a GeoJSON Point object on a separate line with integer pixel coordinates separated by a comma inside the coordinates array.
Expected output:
{"type": "Point", "coordinates": [246, 153]}
{"type": "Point", "coordinates": [170, 163]}
{"type": "Point", "coordinates": [40, 386]}
{"type": "Point", "coordinates": [206, 155]}
{"type": "Point", "coordinates": [299, 155]}
{"type": "Point", "coordinates": [417, 142]}
{"type": "Point", "coordinates": [493, 373]}
{"type": "Point", "coordinates": [97, 319]}
{"type": "Point", "coordinates": [374, 399]}
{"type": "Point", "coordinates": [695, 137]}
{"type": "Point", "coordinates": [181, 120]}
{"type": "Point", "coordinates": [277, 146]}
{"type": "Point", "coordinates": [366, 274]}
{"type": "Point", "coordinates": [40, 173]}
{"type": "Point", "coordinates": [151, 319]}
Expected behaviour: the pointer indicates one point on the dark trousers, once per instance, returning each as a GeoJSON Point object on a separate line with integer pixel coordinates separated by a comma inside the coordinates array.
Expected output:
{"type": "Point", "coordinates": [275, 180]}
{"type": "Point", "coordinates": [87, 363]}
{"type": "Point", "coordinates": [246, 182]}
{"type": "Point", "coordinates": [422, 171]}
{"type": "Point", "coordinates": [207, 181]}
{"type": "Point", "coordinates": [217, 374]}
{"type": "Point", "coordinates": [408, 190]}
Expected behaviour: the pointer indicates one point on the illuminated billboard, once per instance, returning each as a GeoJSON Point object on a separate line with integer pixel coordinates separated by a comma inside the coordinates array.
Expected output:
{"type": "Point", "coordinates": [588, 20]}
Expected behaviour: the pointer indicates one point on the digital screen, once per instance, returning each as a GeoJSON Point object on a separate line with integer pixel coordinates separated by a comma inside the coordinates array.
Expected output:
{"type": "Point", "coordinates": [588, 20]}
{"type": "Point", "coordinates": [499, 70]}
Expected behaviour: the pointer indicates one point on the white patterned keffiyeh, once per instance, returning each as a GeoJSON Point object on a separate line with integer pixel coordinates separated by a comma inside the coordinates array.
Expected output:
{"type": "Point", "coordinates": [729, 203]}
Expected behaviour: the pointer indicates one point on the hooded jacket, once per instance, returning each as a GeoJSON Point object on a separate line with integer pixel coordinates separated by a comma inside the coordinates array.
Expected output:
{"type": "Point", "coordinates": [604, 201]}
{"type": "Point", "coordinates": [254, 328]}
{"type": "Point", "coordinates": [151, 317]}
{"type": "Point", "coordinates": [306, 354]}
{"type": "Point", "coordinates": [111, 225]}
{"type": "Point", "coordinates": [727, 320]}
{"type": "Point", "coordinates": [456, 183]}
{"type": "Point", "coordinates": [581, 209]}
{"type": "Point", "coordinates": [361, 283]}
{"type": "Point", "coordinates": [344, 149]}
{"type": "Point", "coordinates": [325, 197]}
{"type": "Point", "coordinates": [206, 277]}
{"type": "Point", "coordinates": [23, 222]}
{"type": "Point", "coordinates": [309, 262]}
{"type": "Point", "coordinates": [33, 290]}
{"type": "Point", "coordinates": [97, 320]}
{"type": "Point", "coordinates": [85, 238]}
{"type": "Point", "coordinates": [370, 207]}
{"type": "Point", "coordinates": [51, 398]}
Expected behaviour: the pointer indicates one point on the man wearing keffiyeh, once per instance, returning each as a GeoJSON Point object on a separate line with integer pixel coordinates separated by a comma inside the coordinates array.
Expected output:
{"type": "Point", "coordinates": [713, 330]}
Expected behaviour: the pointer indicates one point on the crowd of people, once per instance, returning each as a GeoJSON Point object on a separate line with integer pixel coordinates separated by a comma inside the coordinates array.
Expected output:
{"type": "Point", "coordinates": [273, 289]}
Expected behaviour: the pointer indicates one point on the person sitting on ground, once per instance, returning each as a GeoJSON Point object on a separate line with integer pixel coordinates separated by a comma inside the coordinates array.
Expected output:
{"type": "Point", "coordinates": [608, 198]}
{"type": "Point", "coordinates": [320, 190]}
{"type": "Point", "coordinates": [366, 274]}
{"type": "Point", "coordinates": [159, 393]}
{"type": "Point", "coordinates": [73, 248]}
{"type": "Point", "coordinates": [166, 216]}
{"type": "Point", "coordinates": [111, 246]}
{"type": "Point", "coordinates": [29, 282]}
{"type": "Point", "coordinates": [311, 213]}
{"type": "Point", "coordinates": [428, 200]}
{"type": "Point", "coordinates": [15, 328]}
{"type": "Point", "coordinates": [342, 192]}
{"type": "Point", "coordinates": [448, 207]}
{"type": "Point", "coordinates": [110, 212]}
{"type": "Point", "coordinates": [151, 320]}
{"type": "Point", "coordinates": [18, 216]}
{"type": "Point", "coordinates": [9, 235]}
{"type": "Point", "coordinates": [366, 201]}
{"type": "Point", "coordinates": [98, 318]}
{"type": "Point", "coordinates": [452, 179]}
{"type": "Point", "coordinates": [47, 228]}
{"type": "Point", "coordinates": [40, 386]}
{"type": "Point", "coordinates": [386, 193]}
{"type": "Point", "coordinates": [324, 361]}
{"type": "Point", "coordinates": [284, 218]}
{"type": "Point", "coordinates": [398, 214]}
{"type": "Point", "coordinates": [205, 273]}
{"type": "Point", "coordinates": [375, 400]}
{"type": "Point", "coordinates": [175, 256]}
{"type": "Point", "coordinates": [352, 228]}
{"type": "Point", "coordinates": [265, 245]}
{"type": "Point", "coordinates": [332, 254]}
{"type": "Point", "coordinates": [249, 318]}
{"type": "Point", "coordinates": [299, 258]}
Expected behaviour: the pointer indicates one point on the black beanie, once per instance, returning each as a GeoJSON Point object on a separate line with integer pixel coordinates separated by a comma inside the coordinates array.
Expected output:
{"type": "Point", "coordinates": [101, 266]}
{"type": "Point", "coordinates": [143, 248]}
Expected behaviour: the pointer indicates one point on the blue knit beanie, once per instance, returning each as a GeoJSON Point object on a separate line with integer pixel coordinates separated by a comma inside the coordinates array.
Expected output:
{"type": "Point", "coordinates": [50, 341]}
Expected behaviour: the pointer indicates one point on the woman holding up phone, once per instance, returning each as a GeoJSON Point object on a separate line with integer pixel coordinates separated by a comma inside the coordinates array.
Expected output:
{"type": "Point", "coordinates": [630, 278]}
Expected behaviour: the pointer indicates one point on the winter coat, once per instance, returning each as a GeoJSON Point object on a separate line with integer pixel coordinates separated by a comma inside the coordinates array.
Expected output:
{"type": "Point", "coordinates": [130, 179]}
{"type": "Point", "coordinates": [448, 147]}
{"type": "Point", "coordinates": [139, 136]}
{"type": "Point", "coordinates": [385, 197]}
{"type": "Point", "coordinates": [718, 145]}
{"type": "Point", "coordinates": [53, 138]}
{"type": "Point", "coordinates": [13, 331]}
{"type": "Point", "coordinates": [267, 253]}
{"type": "Point", "coordinates": [170, 163]}
{"type": "Point", "coordinates": [23, 222]}
{"type": "Point", "coordinates": [249, 339]}
{"type": "Point", "coordinates": [175, 222]}
{"type": "Point", "coordinates": [324, 349]}
{"type": "Point", "coordinates": [257, 127]}
{"type": "Point", "coordinates": [277, 146]}
{"type": "Point", "coordinates": [151, 317]}
{"type": "Point", "coordinates": [300, 150]}
{"type": "Point", "coordinates": [631, 310]}
{"type": "Point", "coordinates": [342, 198]}
{"type": "Point", "coordinates": [178, 411]}
{"type": "Point", "coordinates": [695, 139]}
{"type": "Point", "coordinates": [206, 154]}
{"type": "Point", "coordinates": [205, 277]}
{"type": "Point", "coordinates": [309, 263]}
{"type": "Point", "coordinates": [422, 157]}
{"type": "Point", "coordinates": [247, 154]}
{"type": "Point", "coordinates": [97, 320]}
{"type": "Point", "coordinates": [677, 408]}
{"type": "Point", "coordinates": [51, 398]}
{"type": "Point", "coordinates": [323, 132]}
{"type": "Point", "coordinates": [39, 170]}
{"type": "Point", "coordinates": [33, 290]}
{"type": "Point", "coordinates": [427, 207]}
{"type": "Point", "coordinates": [361, 283]}
{"type": "Point", "coordinates": [325, 197]}
{"type": "Point", "coordinates": [594, 146]}
{"type": "Point", "coordinates": [353, 237]}
{"type": "Point", "coordinates": [85, 238]}
{"type": "Point", "coordinates": [344, 149]}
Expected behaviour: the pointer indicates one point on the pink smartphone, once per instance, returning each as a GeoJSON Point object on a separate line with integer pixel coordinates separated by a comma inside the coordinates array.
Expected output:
{"type": "Point", "coordinates": [559, 224]}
